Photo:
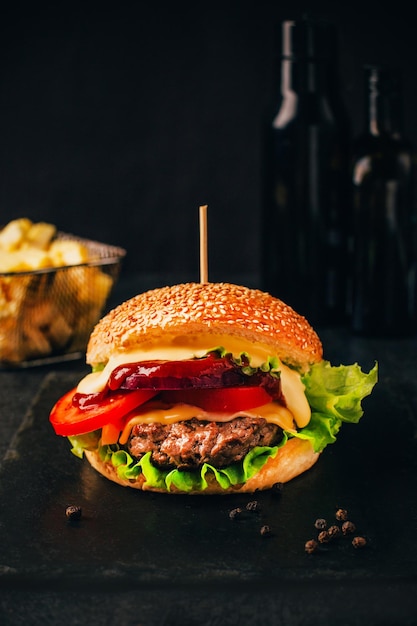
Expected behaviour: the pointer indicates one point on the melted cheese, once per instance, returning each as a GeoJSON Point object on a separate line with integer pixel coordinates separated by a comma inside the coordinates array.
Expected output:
{"type": "Point", "coordinates": [154, 412]}
{"type": "Point", "coordinates": [295, 398]}
{"type": "Point", "coordinates": [187, 347]}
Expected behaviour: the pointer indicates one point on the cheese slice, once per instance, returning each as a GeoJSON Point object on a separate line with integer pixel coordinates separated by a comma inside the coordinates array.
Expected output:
{"type": "Point", "coordinates": [153, 412]}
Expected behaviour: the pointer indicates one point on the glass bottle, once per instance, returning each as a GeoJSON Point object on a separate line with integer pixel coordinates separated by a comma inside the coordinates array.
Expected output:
{"type": "Point", "coordinates": [384, 220]}
{"type": "Point", "coordinates": [306, 178]}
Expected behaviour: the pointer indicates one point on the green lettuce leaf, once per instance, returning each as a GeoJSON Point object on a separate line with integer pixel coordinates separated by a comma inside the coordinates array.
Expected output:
{"type": "Point", "coordinates": [89, 441]}
{"type": "Point", "coordinates": [335, 395]}
{"type": "Point", "coordinates": [238, 473]}
{"type": "Point", "coordinates": [271, 365]}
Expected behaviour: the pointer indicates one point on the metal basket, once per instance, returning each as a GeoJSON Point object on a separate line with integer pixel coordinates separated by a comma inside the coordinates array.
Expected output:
{"type": "Point", "coordinates": [47, 315]}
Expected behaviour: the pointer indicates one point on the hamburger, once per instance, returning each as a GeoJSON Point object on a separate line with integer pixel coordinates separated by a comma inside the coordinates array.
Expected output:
{"type": "Point", "coordinates": [207, 388]}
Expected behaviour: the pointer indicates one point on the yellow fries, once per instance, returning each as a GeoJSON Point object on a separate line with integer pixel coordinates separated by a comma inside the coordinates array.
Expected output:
{"type": "Point", "coordinates": [27, 246]}
{"type": "Point", "coordinates": [50, 312]}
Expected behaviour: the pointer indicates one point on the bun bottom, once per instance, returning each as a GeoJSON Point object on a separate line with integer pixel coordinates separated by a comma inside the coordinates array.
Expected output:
{"type": "Point", "coordinates": [293, 459]}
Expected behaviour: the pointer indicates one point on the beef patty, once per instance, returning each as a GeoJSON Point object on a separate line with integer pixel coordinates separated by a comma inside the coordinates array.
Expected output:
{"type": "Point", "coordinates": [189, 444]}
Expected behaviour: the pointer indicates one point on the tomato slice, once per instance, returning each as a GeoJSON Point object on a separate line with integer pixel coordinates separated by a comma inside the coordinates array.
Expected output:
{"type": "Point", "coordinates": [68, 419]}
{"type": "Point", "coordinates": [228, 399]}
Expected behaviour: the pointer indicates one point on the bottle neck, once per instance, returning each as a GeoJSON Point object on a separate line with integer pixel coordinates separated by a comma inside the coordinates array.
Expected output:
{"type": "Point", "coordinates": [383, 103]}
{"type": "Point", "coordinates": [309, 52]}
{"type": "Point", "coordinates": [374, 105]}
{"type": "Point", "coordinates": [303, 77]}
{"type": "Point", "coordinates": [307, 74]}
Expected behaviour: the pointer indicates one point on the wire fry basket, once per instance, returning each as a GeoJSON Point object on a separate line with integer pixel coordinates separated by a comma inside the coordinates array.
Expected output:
{"type": "Point", "coordinates": [47, 315]}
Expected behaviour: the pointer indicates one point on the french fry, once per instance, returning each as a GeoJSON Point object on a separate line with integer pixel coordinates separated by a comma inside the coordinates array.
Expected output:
{"type": "Point", "coordinates": [65, 252]}
{"type": "Point", "coordinates": [13, 234]}
{"type": "Point", "coordinates": [8, 261]}
{"type": "Point", "coordinates": [40, 235]}
{"type": "Point", "coordinates": [12, 294]}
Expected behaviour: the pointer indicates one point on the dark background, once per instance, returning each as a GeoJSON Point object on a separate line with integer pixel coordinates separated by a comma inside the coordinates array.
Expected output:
{"type": "Point", "coordinates": [118, 120]}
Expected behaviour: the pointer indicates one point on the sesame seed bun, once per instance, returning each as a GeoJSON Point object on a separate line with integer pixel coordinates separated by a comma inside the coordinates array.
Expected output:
{"type": "Point", "coordinates": [219, 309]}
{"type": "Point", "coordinates": [293, 459]}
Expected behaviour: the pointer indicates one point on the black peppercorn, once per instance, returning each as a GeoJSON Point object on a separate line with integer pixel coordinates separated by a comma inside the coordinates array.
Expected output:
{"type": "Point", "coordinates": [341, 515]}
{"type": "Point", "coordinates": [348, 527]}
{"type": "Point", "coordinates": [334, 531]}
{"type": "Point", "coordinates": [266, 531]}
{"type": "Point", "coordinates": [320, 524]}
{"type": "Point", "coordinates": [235, 513]}
{"type": "Point", "coordinates": [253, 506]}
{"type": "Point", "coordinates": [324, 536]}
{"type": "Point", "coordinates": [73, 512]}
{"type": "Point", "coordinates": [358, 542]}
{"type": "Point", "coordinates": [311, 546]}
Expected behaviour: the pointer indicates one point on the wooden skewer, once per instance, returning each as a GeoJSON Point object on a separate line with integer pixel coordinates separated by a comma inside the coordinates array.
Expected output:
{"type": "Point", "coordinates": [203, 244]}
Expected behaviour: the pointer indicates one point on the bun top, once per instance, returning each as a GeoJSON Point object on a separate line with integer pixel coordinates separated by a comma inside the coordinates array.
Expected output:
{"type": "Point", "coordinates": [220, 309]}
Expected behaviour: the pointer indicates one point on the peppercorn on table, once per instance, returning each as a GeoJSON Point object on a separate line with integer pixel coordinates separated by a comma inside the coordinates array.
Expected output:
{"type": "Point", "coordinates": [77, 549]}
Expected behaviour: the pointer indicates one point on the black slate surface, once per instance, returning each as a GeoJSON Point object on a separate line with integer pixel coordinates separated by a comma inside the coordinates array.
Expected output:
{"type": "Point", "coordinates": [145, 559]}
